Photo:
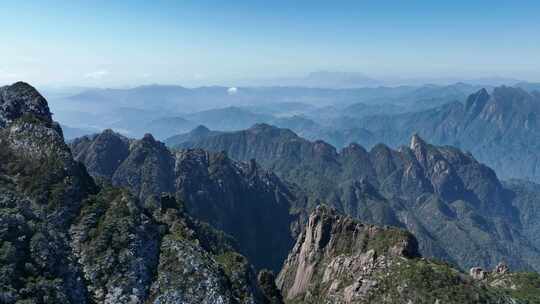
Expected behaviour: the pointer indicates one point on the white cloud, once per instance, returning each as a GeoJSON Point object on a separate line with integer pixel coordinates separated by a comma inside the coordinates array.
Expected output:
{"type": "Point", "coordinates": [232, 91]}
{"type": "Point", "coordinates": [97, 74]}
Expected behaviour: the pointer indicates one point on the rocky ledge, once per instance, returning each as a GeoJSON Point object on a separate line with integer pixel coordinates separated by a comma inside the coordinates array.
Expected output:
{"type": "Point", "coordinates": [340, 260]}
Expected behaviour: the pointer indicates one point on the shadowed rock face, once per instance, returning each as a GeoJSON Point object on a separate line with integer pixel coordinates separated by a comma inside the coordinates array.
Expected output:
{"type": "Point", "coordinates": [241, 199]}
{"type": "Point", "coordinates": [64, 239]}
{"type": "Point", "coordinates": [102, 154]}
{"type": "Point", "coordinates": [339, 260]}
{"type": "Point", "coordinates": [433, 191]}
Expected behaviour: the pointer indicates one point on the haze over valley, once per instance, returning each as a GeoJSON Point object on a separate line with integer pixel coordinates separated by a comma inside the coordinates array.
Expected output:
{"type": "Point", "coordinates": [269, 153]}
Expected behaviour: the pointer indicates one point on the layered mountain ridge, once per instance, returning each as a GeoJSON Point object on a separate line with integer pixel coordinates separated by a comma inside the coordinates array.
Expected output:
{"type": "Point", "coordinates": [242, 199]}
{"type": "Point", "coordinates": [500, 128]}
{"type": "Point", "coordinates": [66, 239]}
{"type": "Point", "coordinates": [433, 191]}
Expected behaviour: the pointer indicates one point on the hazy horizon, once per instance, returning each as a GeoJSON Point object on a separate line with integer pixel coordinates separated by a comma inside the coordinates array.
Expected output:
{"type": "Point", "coordinates": [103, 44]}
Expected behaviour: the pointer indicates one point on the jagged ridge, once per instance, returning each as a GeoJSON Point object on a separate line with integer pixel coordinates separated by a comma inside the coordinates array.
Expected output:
{"type": "Point", "coordinates": [339, 260]}
{"type": "Point", "coordinates": [433, 191]}
{"type": "Point", "coordinates": [65, 239]}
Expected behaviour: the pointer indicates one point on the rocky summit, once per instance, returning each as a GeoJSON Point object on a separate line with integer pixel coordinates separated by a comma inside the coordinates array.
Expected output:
{"type": "Point", "coordinates": [251, 204]}
{"type": "Point", "coordinates": [433, 191]}
{"type": "Point", "coordinates": [21, 99]}
{"type": "Point", "coordinates": [339, 260]}
{"type": "Point", "coordinates": [500, 127]}
{"type": "Point", "coordinates": [109, 219]}
{"type": "Point", "coordinates": [65, 238]}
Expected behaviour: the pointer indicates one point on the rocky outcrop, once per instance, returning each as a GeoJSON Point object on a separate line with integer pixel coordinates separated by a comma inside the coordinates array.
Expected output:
{"type": "Point", "coordinates": [499, 127]}
{"type": "Point", "coordinates": [22, 99]}
{"type": "Point", "coordinates": [478, 273]}
{"type": "Point", "coordinates": [147, 168]}
{"type": "Point", "coordinates": [433, 191]}
{"type": "Point", "coordinates": [64, 239]}
{"type": "Point", "coordinates": [337, 254]}
{"type": "Point", "coordinates": [339, 260]}
{"type": "Point", "coordinates": [41, 193]}
{"type": "Point", "coordinates": [102, 154]}
{"type": "Point", "coordinates": [242, 199]}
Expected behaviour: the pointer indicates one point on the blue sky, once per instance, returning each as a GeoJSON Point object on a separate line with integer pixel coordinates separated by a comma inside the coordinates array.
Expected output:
{"type": "Point", "coordinates": [115, 43]}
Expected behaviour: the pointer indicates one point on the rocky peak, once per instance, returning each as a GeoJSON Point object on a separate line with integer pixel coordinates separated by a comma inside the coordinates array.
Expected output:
{"type": "Point", "coordinates": [478, 273]}
{"type": "Point", "coordinates": [476, 102]}
{"type": "Point", "coordinates": [148, 138]}
{"type": "Point", "coordinates": [353, 148]}
{"type": "Point", "coordinates": [20, 99]}
{"type": "Point", "coordinates": [200, 129]}
{"type": "Point", "coordinates": [335, 255]}
{"type": "Point", "coordinates": [417, 142]}
{"type": "Point", "coordinates": [420, 149]}
{"type": "Point", "coordinates": [340, 260]}
{"type": "Point", "coordinates": [263, 128]}
{"type": "Point", "coordinates": [103, 153]}
{"type": "Point", "coordinates": [321, 149]}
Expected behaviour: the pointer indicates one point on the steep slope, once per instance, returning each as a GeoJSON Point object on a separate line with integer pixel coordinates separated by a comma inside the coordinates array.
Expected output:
{"type": "Point", "coordinates": [500, 129]}
{"type": "Point", "coordinates": [65, 239]}
{"type": "Point", "coordinates": [41, 192]}
{"type": "Point", "coordinates": [111, 151]}
{"type": "Point", "coordinates": [251, 204]}
{"type": "Point", "coordinates": [435, 192]}
{"type": "Point", "coordinates": [339, 260]}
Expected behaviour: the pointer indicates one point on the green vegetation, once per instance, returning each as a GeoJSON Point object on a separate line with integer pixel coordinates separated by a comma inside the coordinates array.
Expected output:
{"type": "Point", "coordinates": [524, 286]}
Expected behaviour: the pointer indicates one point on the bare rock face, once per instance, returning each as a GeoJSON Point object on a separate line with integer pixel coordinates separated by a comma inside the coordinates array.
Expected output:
{"type": "Point", "coordinates": [41, 193]}
{"type": "Point", "coordinates": [455, 206]}
{"type": "Point", "coordinates": [501, 268]}
{"type": "Point", "coordinates": [65, 239]}
{"type": "Point", "coordinates": [340, 260]}
{"type": "Point", "coordinates": [337, 255]}
{"type": "Point", "coordinates": [102, 154]}
{"type": "Point", "coordinates": [21, 99]}
{"type": "Point", "coordinates": [240, 198]}
{"type": "Point", "coordinates": [478, 273]}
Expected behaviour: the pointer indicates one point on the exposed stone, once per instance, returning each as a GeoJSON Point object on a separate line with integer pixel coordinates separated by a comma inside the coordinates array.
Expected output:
{"type": "Point", "coordinates": [478, 273]}
{"type": "Point", "coordinates": [63, 239]}
{"type": "Point", "coordinates": [22, 99]}
{"type": "Point", "coordinates": [501, 268]}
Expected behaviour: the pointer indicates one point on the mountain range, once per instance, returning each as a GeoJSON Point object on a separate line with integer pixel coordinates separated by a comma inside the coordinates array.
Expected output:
{"type": "Point", "coordinates": [500, 128]}
{"type": "Point", "coordinates": [433, 191]}
{"type": "Point", "coordinates": [110, 219]}
{"type": "Point", "coordinates": [242, 199]}
{"type": "Point", "coordinates": [134, 111]}
{"type": "Point", "coordinates": [66, 238]}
